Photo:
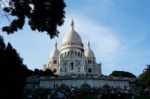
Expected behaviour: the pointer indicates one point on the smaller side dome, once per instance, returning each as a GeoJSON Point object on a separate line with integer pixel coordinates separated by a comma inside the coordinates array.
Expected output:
{"type": "Point", "coordinates": [55, 52]}
{"type": "Point", "coordinates": [88, 52]}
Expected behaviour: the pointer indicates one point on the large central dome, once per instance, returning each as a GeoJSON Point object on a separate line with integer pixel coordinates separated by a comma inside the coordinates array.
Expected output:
{"type": "Point", "coordinates": [72, 38]}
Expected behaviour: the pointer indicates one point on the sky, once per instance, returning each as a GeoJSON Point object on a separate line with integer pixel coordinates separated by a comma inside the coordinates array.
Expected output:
{"type": "Point", "coordinates": [118, 31]}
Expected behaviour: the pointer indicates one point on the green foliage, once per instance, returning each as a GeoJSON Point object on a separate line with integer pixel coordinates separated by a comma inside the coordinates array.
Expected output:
{"type": "Point", "coordinates": [2, 44]}
{"type": "Point", "coordinates": [13, 72]}
{"type": "Point", "coordinates": [85, 89]}
{"type": "Point", "coordinates": [144, 78]}
{"type": "Point", "coordinates": [122, 74]}
{"type": "Point", "coordinates": [142, 97]}
{"type": "Point", "coordinates": [37, 93]}
{"type": "Point", "coordinates": [48, 72]}
{"type": "Point", "coordinates": [42, 15]}
{"type": "Point", "coordinates": [38, 72]}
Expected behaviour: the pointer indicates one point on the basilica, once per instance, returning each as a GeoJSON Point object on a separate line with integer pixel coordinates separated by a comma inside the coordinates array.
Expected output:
{"type": "Point", "coordinates": [75, 65]}
{"type": "Point", "coordinates": [73, 59]}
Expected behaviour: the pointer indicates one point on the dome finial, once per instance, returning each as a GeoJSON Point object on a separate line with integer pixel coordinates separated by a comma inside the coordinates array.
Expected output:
{"type": "Point", "coordinates": [56, 45]}
{"type": "Point", "coordinates": [88, 45]}
{"type": "Point", "coordinates": [72, 24]}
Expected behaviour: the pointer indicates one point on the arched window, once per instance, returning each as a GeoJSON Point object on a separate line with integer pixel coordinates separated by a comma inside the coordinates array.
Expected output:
{"type": "Point", "coordinates": [89, 61]}
{"type": "Point", "coordinates": [54, 61]}
{"type": "Point", "coordinates": [89, 70]}
{"type": "Point", "coordinates": [75, 52]}
{"type": "Point", "coordinates": [71, 65]}
{"type": "Point", "coordinates": [78, 53]}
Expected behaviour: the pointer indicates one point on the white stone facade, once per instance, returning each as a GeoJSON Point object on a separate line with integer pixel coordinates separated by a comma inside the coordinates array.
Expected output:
{"type": "Point", "coordinates": [77, 82]}
{"type": "Point", "coordinates": [73, 59]}
{"type": "Point", "coordinates": [34, 82]}
{"type": "Point", "coordinates": [75, 65]}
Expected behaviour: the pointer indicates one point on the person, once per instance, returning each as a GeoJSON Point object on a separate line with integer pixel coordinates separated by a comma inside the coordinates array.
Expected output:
{"type": "Point", "coordinates": [59, 95]}
{"type": "Point", "coordinates": [29, 96]}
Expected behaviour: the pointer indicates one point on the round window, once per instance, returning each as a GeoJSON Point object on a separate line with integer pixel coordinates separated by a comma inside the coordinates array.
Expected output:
{"type": "Point", "coordinates": [90, 70]}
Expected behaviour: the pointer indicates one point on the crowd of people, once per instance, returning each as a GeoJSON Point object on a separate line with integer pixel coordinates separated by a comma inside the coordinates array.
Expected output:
{"type": "Point", "coordinates": [86, 92]}
{"type": "Point", "coordinates": [95, 93]}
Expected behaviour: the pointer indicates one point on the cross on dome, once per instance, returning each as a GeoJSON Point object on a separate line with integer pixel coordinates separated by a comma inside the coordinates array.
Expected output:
{"type": "Point", "coordinates": [88, 45]}
{"type": "Point", "coordinates": [72, 24]}
{"type": "Point", "coordinates": [56, 45]}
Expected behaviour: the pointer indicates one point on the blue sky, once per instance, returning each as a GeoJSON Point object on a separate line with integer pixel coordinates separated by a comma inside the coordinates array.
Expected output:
{"type": "Point", "coordinates": [118, 31]}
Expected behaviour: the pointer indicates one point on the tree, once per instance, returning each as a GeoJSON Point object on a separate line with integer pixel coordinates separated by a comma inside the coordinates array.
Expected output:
{"type": "Point", "coordinates": [48, 72]}
{"type": "Point", "coordinates": [144, 78]}
{"type": "Point", "coordinates": [85, 89]}
{"type": "Point", "coordinates": [2, 44]}
{"type": "Point", "coordinates": [122, 74]}
{"type": "Point", "coordinates": [13, 72]}
{"type": "Point", "coordinates": [38, 72]}
{"type": "Point", "coordinates": [42, 15]}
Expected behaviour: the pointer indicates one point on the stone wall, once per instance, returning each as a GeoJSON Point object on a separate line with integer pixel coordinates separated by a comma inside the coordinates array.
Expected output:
{"type": "Point", "coordinates": [77, 82]}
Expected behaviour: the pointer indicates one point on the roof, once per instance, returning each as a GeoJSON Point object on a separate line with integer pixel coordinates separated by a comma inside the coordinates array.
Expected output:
{"type": "Point", "coordinates": [72, 36]}
{"type": "Point", "coordinates": [88, 52]}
